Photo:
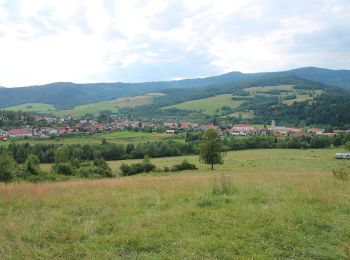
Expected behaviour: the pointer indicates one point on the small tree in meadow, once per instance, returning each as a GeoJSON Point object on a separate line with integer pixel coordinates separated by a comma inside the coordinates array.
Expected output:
{"type": "Point", "coordinates": [210, 148]}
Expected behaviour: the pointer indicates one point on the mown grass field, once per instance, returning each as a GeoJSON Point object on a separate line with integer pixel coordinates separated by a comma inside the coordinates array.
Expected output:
{"type": "Point", "coordinates": [33, 107]}
{"type": "Point", "coordinates": [269, 204]}
{"type": "Point", "coordinates": [208, 105]}
{"type": "Point", "coordinates": [112, 137]}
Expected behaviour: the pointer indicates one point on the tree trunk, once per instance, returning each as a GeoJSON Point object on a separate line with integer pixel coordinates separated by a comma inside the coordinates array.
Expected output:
{"type": "Point", "coordinates": [212, 167]}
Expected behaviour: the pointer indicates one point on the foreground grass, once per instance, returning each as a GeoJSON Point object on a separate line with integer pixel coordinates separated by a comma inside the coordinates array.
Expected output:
{"type": "Point", "coordinates": [267, 206]}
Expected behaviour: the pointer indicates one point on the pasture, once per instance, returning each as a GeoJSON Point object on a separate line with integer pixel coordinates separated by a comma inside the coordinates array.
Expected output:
{"type": "Point", "coordinates": [112, 105]}
{"type": "Point", "coordinates": [259, 204]}
{"type": "Point", "coordinates": [209, 105]}
{"type": "Point", "coordinates": [33, 107]}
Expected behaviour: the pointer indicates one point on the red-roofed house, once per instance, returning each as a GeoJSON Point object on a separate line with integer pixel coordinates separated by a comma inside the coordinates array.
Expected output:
{"type": "Point", "coordinates": [20, 133]}
{"type": "Point", "coordinates": [298, 134]}
{"type": "Point", "coordinates": [210, 126]}
{"type": "Point", "coordinates": [188, 125]}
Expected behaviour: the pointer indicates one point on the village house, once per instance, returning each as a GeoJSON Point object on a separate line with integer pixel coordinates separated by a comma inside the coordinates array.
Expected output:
{"type": "Point", "coordinates": [298, 134]}
{"type": "Point", "coordinates": [170, 131]}
{"type": "Point", "coordinates": [188, 126]}
{"type": "Point", "coordinates": [20, 133]}
{"type": "Point", "coordinates": [3, 135]}
{"type": "Point", "coordinates": [209, 126]}
{"type": "Point", "coordinates": [149, 124]}
{"type": "Point", "coordinates": [316, 131]}
{"type": "Point", "coordinates": [171, 125]}
{"type": "Point", "coordinates": [242, 129]}
{"type": "Point", "coordinates": [95, 128]}
{"type": "Point", "coordinates": [62, 130]}
{"type": "Point", "coordinates": [45, 131]}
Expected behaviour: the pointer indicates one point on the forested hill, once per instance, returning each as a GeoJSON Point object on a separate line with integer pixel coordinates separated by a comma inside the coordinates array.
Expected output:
{"type": "Point", "coordinates": [287, 99]}
{"type": "Point", "coordinates": [67, 94]}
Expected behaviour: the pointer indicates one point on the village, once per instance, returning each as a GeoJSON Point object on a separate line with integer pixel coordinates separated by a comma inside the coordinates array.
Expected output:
{"type": "Point", "coordinates": [61, 127]}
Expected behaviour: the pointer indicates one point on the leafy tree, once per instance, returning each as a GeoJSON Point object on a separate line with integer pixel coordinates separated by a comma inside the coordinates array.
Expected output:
{"type": "Point", "coordinates": [210, 148]}
{"type": "Point", "coordinates": [32, 165]}
{"type": "Point", "coordinates": [63, 168]}
{"type": "Point", "coordinates": [8, 168]}
{"type": "Point", "coordinates": [347, 146]}
{"type": "Point", "coordinates": [147, 165]}
{"type": "Point", "coordinates": [62, 154]}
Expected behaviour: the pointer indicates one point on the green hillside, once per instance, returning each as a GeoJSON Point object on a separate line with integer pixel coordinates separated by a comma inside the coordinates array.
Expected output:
{"type": "Point", "coordinates": [68, 94]}
{"type": "Point", "coordinates": [220, 104]}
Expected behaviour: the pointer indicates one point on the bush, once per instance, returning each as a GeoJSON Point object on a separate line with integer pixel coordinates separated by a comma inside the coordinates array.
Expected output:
{"type": "Point", "coordinates": [103, 169]}
{"type": "Point", "coordinates": [342, 174]}
{"type": "Point", "coordinates": [8, 168]}
{"type": "Point", "coordinates": [133, 169]}
{"type": "Point", "coordinates": [63, 169]}
{"type": "Point", "coordinates": [145, 166]}
{"type": "Point", "coordinates": [185, 165]}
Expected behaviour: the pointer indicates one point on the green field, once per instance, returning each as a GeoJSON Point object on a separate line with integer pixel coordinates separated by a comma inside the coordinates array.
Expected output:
{"type": "Point", "coordinates": [243, 114]}
{"type": "Point", "coordinates": [269, 204]}
{"type": "Point", "coordinates": [33, 107]}
{"type": "Point", "coordinates": [93, 108]}
{"type": "Point", "coordinates": [112, 105]}
{"type": "Point", "coordinates": [113, 137]}
{"type": "Point", "coordinates": [253, 90]}
{"type": "Point", "coordinates": [208, 105]}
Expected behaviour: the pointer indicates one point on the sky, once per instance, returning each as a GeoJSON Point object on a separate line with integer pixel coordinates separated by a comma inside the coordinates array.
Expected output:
{"type": "Point", "coordinates": [43, 41]}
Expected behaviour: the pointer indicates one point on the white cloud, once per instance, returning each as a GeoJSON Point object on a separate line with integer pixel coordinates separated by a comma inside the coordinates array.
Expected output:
{"type": "Point", "coordinates": [89, 41]}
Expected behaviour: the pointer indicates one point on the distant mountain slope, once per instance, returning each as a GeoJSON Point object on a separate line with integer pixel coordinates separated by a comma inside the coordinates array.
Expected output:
{"type": "Point", "coordinates": [339, 78]}
{"type": "Point", "coordinates": [67, 94]}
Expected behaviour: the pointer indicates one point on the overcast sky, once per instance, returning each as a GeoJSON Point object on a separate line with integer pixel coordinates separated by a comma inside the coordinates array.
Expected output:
{"type": "Point", "coordinates": [44, 41]}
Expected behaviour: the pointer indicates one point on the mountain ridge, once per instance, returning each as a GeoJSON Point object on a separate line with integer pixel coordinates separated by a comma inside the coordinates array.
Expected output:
{"type": "Point", "coordinates": [68, 94]}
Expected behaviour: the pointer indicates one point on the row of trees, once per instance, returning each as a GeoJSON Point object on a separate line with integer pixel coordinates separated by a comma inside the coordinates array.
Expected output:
{"type": "Point", "coordinates": [52, 153]}
{"type": "Point", "coordinates": [30, 170]}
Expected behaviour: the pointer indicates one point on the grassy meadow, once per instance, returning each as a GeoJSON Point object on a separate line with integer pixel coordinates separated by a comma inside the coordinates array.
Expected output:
{"type": "Point", "coordinates": [260, 204]}
{"type": "Point", "coordinates": [208, 105]}
{"type": "Point", "coordinates": [33, 107]}
{"type": "Point", "coordinates": [112, 105]}
{"type": "Point", "coordinates": [121, 137]}
{"type": "Point", "coordinates": [94, 108]}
